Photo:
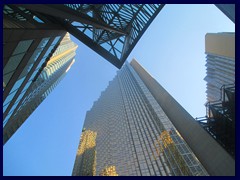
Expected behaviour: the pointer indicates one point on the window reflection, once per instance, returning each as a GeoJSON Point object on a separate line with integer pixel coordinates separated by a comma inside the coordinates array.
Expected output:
{"type": "Point", "coordinates": [85, 163]}
{"type": "Point", "coordinates": [109, 171]}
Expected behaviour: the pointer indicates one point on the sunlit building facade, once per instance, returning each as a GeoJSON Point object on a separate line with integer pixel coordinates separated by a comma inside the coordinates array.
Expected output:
{"type": "Point", "coordinates": [86, 163]}
{"type": "Point", "coordinates": [134, 136]}
{"type": "Point", "coordinates": [220, 63]}
{"type": "Point", "coordinates": [219, 120]}
{"type": "Point", "coordinates": [34, 63]}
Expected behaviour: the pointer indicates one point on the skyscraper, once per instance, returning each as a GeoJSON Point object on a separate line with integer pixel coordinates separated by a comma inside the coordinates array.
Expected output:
{"type": "Point", "coordinates": [219, 120]}
{"type": "Point", "coordinates": [31, 73]}
{"type": "Point", "coordinates": [132, 135]}
{"type": "Point", "coordinates": [139, 129]}
{"type": "Point", "coordinates": [220, 50]}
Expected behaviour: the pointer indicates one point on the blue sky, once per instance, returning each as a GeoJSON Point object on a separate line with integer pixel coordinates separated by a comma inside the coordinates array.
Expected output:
{"type": "Point", "coordinates": [172, 50]}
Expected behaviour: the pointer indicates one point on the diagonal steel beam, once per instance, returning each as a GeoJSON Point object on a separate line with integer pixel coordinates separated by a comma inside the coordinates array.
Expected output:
{"type": "Point", "coordinates": [65, 12]}
{"type": "Point", "coordinates": [91, 44]}
{"type": "Point", "coordinates": [127, 49]}
{"type": "Point", "coordinates": [96, 13]}
{"type": "Point", "coordinates": [27, 16]}
{"type": "Point", "coordinates": [228, 10]}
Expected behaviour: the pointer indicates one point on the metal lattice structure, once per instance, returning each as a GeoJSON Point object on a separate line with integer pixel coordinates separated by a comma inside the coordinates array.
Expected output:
{"type": "Point", "coordinates": [111, 30]}
{"type": "Point", "coordinates": [219, 121]}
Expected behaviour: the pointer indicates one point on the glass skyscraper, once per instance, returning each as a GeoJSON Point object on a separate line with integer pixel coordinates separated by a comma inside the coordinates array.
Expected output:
{"type": "Point", "coordinates": [35, 66]}
{"type": "Point", "coordinates": [127, 133]}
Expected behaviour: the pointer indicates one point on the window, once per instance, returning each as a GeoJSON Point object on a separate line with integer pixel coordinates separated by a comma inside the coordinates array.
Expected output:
{"type": "Point", "coordinates": [20, 96]}
{"type": "Point", "coordinates": [43, 43]}
{"type": "Point", "coordinates": [56, 40]}
{"type": "Point", "coordinates": [37, 19]}
{"type": "Point", "coordinates": [10, 67]}
{"type": "Point", "coordinates": [5, 106]}
{"type": "Point", "coordinates": [6, 119]}
{"type": "Point", "coordinates": [22, 47]}
{"type": "Point", "coordinates": [9, 98]}
{"type": "Point", "coordinates": [48, 51]}
{"type": "Point", "coordinates": [26, 86]}
{"type": "Point", "coordinates": [15, 60]}
{"type": "Point", "coordinates": [13, 108]}
{"type": "Point", "coordinates": [17, 85]}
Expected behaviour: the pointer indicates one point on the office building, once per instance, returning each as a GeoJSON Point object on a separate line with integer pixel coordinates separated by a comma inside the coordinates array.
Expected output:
{"type": "Point", "coordinates": [219, 121]}
{"type": "Point", "coordinates": [34, 63]}
{"type": "Point", "coordinates": [137, 128]}
{"type": "Point", "coordinates": [220, 63]}
{"type": "Point", "coordinates": [130, 134]}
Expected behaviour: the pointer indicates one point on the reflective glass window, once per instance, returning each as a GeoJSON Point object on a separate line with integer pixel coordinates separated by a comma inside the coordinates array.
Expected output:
{"type": "Point", "coordinates": [37, 19]}
{"type": "Point", "coordinates": [20, 96]}
{"type": "Point", "coordinates": [6, 119]}
{"type": "Point", "coordinates": [13, 108]}
{"type": "Point", "coordinates": [22, 47]}
{"type": "Point", "coordinates": [10, 67]}
{"type": "Point", "coordinates": [15, 60]}
{"type": "Point", "coordinates": [48, 51]}
{"type": "Point", "coordinates": [26, 86]}
{"type": "Point", "coordinates": [5, 106]}
{"type": "Point", "coordinates": [35, 55]}
{"type": "Point", "coordinates": [17, 85]}
{"type": "Point", "coordinates": [43, 43]}
{"type": "Point", "coordinates": [55, 41]}
{"type": "Point", "coordinates": [9, 98]}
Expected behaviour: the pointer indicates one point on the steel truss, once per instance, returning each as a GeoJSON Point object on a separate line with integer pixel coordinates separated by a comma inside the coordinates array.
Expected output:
{"type": "Point", "coordinates": [219, 121]}
{"type": "Point", "coordinates": [111, 30]}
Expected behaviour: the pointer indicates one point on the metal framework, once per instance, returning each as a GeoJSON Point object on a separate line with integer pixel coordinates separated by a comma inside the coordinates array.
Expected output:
{"type": "Point", "coordinates": [228, 10]}
{"type": "Point", "coordinates": [111, 30]}
{"type": "Point", "coordinates": [219, 121]}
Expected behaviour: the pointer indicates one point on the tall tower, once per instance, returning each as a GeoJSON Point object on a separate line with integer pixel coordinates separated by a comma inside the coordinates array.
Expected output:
{"type": "Point", "coordinates": [142, 130]}
{"type": "Point", "coordinates": [134, 134]}
{"type": "Point", "coordinates": [36, 80]}
{"type": "Point", "coordinates": [220, 50]}
{"type": "Point", "coordinates": [219, 120]}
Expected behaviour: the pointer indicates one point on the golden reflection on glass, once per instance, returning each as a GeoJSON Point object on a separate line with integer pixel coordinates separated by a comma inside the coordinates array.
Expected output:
{"type": "Point", "coordinates": [85, 163]}
{"type": "Point", "coordinates": [88, 140]}
{"type": "Point", "coordinates": [167, 145]}
{"type": "Point", "coordinates": [109, 171]}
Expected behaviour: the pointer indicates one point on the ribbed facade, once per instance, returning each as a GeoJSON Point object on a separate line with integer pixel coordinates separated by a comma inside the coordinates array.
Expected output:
{"type": "Point", "coordinates": [220, 63]}
{"type": "Point", "coordinates": [134, 137]}
{"type": "Point", "coordinates": [43, 81]}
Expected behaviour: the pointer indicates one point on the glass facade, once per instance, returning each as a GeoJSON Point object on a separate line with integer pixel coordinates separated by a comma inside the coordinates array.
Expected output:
{"type": "Point", "coordinates": [15, 60]}
{"type": "Point", "coordinates": [134, 137]}
{"type": "Point", "coordinates": [37, 88]}
{"type": "Point", "coordinates": [20, 51]}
